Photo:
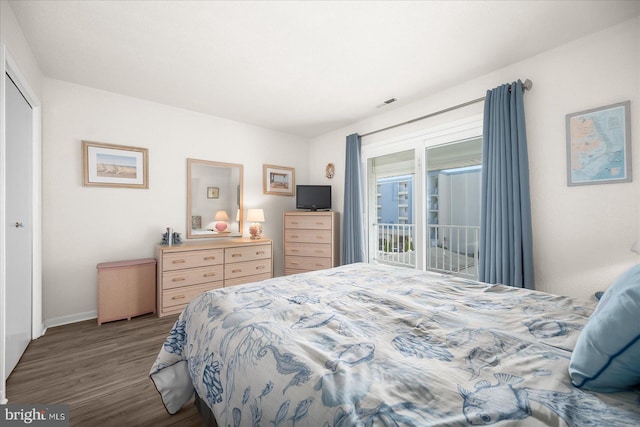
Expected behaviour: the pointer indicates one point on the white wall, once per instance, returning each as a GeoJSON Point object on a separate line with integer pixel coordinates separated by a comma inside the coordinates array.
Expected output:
{"type": "Point", "coordinates": [11, 35]}
{"type": "Point", "coordinates": [582, 235]}
{"type": "Point", "coordinates": [84, 226]}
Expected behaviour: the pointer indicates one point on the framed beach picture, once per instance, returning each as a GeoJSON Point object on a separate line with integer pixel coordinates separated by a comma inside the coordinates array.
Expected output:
{"type": "Point", "coordinates": [108, 165]}
{"type": "Point", "coordinates": [278, 180]}
{"type": "Point", "coordinates": [599, 145]}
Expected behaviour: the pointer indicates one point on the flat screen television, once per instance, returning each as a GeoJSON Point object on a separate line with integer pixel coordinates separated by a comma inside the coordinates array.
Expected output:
{"type": "Point", "coordinates": [313, 197]}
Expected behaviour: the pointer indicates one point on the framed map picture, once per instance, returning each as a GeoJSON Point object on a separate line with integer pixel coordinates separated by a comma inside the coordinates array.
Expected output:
{"type": "Point", "coordinates": [599, 145]}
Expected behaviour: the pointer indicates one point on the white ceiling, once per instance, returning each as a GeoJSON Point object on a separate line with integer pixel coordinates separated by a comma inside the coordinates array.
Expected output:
{"type": "Point", "coordinates": [303, 68]}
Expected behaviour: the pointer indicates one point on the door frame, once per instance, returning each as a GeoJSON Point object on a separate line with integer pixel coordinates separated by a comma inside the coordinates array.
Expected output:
{"type": "Point", "coordinates": [10, 67]}
{"type": "Point", "coordinates": [456, 130]}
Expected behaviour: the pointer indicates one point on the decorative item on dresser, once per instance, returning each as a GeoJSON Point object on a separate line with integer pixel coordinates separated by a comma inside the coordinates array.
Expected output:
{"type": "Point", "coordinates": [255, 217]}
{"type": "Point", "coordinates": [187, 270]}
{"type": "Point", "coordinates": [311, 241]}
{"type": "Point", "coordinates": [126, 289]}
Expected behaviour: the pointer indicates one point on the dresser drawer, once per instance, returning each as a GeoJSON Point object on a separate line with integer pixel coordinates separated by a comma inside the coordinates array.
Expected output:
{"type": "Point", "coordinates": [192, 276]}
{"type": "Point", "coordinates": [305, 249]}
{"type": "Point", "coordinates": [183, 296]}
{"type": "Point", "coordinates": [306, 263]}
{"type": "Point", "coordinates": [247, 279]}
{"type": "Point", "coordinates": [307, 221]}
{"type": "Point", "coordinates": [307, 236]}
{"type": "Point", "coordinates": [190, 259]}
{"type": "Point", "coordinates": [290, 271]}
{"type": "Point", "coordinates": [249, 268]}
{"type": "Point", "coordinates": [247, 253]}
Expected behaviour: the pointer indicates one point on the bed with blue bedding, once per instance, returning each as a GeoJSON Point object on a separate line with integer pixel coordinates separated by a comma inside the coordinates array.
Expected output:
{"type": "Point", "coordinates": [368, 345]}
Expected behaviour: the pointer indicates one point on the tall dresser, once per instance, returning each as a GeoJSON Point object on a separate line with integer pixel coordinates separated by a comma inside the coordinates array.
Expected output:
{"type": "Point", "coordinates": [311, 241]}
{"type": "Point", "coordinates": [189, 269]}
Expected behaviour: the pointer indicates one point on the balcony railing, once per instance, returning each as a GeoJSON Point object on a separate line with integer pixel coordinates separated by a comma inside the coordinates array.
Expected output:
{"type": "Point", "coordinates": [451, 249]}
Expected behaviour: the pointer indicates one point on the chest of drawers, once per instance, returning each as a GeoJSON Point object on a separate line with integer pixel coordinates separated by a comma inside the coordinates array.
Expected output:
{"type": "Point", "coordinates": [187, 270]}
{"type": "Point", "coordinates": [310, 241]}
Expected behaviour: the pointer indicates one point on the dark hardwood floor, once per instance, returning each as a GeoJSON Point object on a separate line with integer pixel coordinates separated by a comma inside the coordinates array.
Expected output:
{"type": "Point", "coordinates": [101, 372]}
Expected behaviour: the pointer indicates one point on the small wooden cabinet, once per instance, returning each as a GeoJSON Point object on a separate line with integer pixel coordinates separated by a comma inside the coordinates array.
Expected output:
{"type": "Point", "coordinates": [310, 241]}
{"type": "Point", "coordinates": [126, 289]}
{"type": "Point", "coordinates": [187, 270]}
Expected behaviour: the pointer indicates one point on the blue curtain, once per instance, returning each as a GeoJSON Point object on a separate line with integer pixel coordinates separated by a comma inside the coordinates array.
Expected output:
{"type": "Point", "coordinates": [506, 254]}
{"type": "Point", "coordinates": [353, 218]}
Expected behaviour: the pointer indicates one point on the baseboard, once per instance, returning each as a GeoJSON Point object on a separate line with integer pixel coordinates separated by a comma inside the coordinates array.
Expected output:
{"type": "Point", "coordinates": [72, 318]}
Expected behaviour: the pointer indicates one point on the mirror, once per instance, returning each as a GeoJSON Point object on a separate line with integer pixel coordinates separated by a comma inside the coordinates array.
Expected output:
{"type": "Point", "coordinates": [214, 199]}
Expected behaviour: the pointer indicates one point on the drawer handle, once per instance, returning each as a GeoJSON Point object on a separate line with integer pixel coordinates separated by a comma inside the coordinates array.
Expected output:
{"type": "Point", "coordinates": [319, 223]}
{"type": "Point", "coordinates": [293, 263]}
{"type": "Point", "coordinates": [178, 297]}
{"type": "Point", "coordinates": [294, 236]}
{"type": "Point", "coordinates": [259, 252]}
{"type": "Point", "coordinates": [318, 265]}
{"type": "Point", "coordinates": [238, 270]}
{"type": "Point", "coordinates": [319, 237]}
{"type": "Point", "coordinates": [178, 261]}
{"type": "Point", "coordinates": [318, 251]}
{"type": "Point", "coordinates": [294, 222]}
{"type": "Point", "coordinates": [178, 279]}
{"type": "Point", "coordinates": [235, 255]}
{"type": "Point", "coordinates": [260, 267]}
{"type": "Point", "coordinates": [209, 258]}
{"type": "Point", "coordinates": [294, 250]}
{"type": "Point", "coordinates": [209, 274]}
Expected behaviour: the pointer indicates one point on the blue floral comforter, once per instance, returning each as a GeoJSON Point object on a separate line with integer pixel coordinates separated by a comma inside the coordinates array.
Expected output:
{"type": "Point", "coordinates": [364, 345]}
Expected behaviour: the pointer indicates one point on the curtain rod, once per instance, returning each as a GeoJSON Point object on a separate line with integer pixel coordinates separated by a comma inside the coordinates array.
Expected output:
{"type": "Point", "coordinates": [527, 85]}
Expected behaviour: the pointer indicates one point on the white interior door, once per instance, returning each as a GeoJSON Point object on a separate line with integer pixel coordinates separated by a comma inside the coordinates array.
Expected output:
{"type": "Point", "coordinates": [19, 188]}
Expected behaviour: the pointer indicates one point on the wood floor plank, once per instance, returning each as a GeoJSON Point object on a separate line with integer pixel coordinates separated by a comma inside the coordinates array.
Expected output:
{"type": "Point", "coordinates": [101, 372]}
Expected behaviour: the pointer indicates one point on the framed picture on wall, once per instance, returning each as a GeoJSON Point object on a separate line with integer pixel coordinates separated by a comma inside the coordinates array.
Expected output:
{"type": "Point", "coordinates": [278, 180]}
{"type": "Point", "coordinates": [108, 165]}
{"type": "Point", "coordinates": [213, 192]}
{"type": "Point", "coordinates": [599, 145]}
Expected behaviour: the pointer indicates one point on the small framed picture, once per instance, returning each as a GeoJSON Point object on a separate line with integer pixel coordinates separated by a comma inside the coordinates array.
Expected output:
{"type": "Point", "coordinates": [108, 165]}
{"type": "Point", "coordinates": [213, 192]}
{"type": "Point", "coordinates": [279, 180]}
{"type": "Point", "coordinates": [196, 222]}
{"type": "Point", "coordinates": [599, 145]}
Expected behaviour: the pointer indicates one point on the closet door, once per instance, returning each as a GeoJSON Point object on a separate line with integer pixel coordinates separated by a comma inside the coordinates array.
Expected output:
{"type": "Point", "coordinates": [19, 227]}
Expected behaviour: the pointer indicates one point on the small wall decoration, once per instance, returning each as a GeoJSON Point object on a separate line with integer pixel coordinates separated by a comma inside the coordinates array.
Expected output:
{"type": "Point", "coordinates": [108, 165]}
{"type": "Point", "coordinates": [279, 180]}
{"type": "Point", "coordinates": [196, 222]}
{"type": "Point", "coordinates": [330, 170]}
{"type": "Point", "coordinates": [213, 192]}
{"type": "Point", "coordinates": [599, 145]}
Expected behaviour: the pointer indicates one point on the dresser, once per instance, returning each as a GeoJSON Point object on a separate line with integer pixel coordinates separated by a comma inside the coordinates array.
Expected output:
{"type": "Point", "coordinates": [311, 241]}
{"type": "Point", "coordinates": [185, 271]}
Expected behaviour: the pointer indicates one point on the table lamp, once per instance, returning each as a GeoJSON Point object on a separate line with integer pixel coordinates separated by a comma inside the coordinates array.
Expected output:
{"type": "Point", "coordinates": [221, 219]}
{"type": "Point", "coordinates": [255, 217]}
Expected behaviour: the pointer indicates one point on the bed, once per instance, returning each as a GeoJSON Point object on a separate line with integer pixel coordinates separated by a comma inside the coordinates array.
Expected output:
{"type": "Point", "coordinates": [365, 345]}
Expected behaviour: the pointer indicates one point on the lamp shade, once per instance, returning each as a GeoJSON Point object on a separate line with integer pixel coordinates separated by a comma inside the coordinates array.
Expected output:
{"type": "Point", "coordinates": [221, 216]}
{"type": "Point", "coordinates": [255, 215]}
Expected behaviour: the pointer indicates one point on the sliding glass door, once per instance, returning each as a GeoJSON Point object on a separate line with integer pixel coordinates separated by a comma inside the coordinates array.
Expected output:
{"type": "Point", "coordinates": [423, 200]}
{"type": "Point", "coordinates": [391, 189]}
{"type": "Point", "coordinates": [453, 193]}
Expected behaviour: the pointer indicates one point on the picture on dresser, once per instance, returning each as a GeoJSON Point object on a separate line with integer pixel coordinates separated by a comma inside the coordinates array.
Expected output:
{"type": "Point", "coordinates": [279, 180]}
{"type": "Point", "coordinates": [109, 165]}
{"type": "Point", "coordinates": [196, 222]}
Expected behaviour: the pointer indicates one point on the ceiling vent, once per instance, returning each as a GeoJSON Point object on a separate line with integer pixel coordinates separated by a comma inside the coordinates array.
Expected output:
{"type": "Point", "coordinates": [387, 102]}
